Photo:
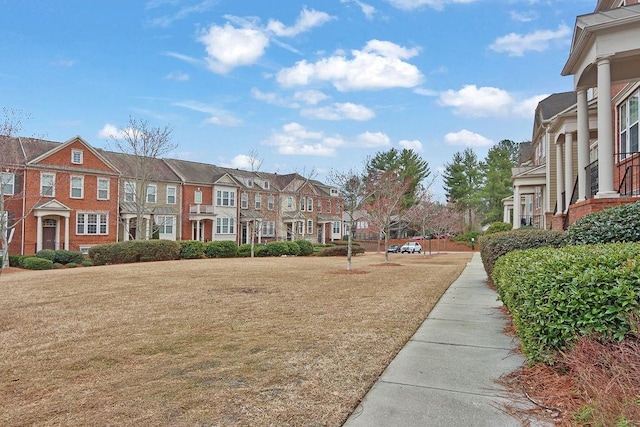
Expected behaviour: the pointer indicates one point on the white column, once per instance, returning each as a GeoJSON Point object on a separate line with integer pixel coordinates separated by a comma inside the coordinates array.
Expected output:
{"type": "Point", "coordinates": [605, 131]}
{"type": "Point", "coordinates": [559, 180]}
{"type": "Point", "coordinates": [583, 144]}
{"type": "Point", "coordinates": [516, 207]}
{"type": "Point", "coordinates": [39, 234]}
{"type": "Point", "coordinates": [126, 232]}
{"type": "Point", "coordinates": [66, 233]}
{"type": "Point", "coordinates": [198, 234]}
{"type": "Point", "coordinates": [568, 169]}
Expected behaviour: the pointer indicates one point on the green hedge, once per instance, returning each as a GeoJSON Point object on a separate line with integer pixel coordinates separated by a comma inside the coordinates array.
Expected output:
{"type": "Point", "coordinates": [221, 249]}
{"type": "Point", "coordinates": [60, 256]}
{"type": "Point", "coordinates": [615, 224]}
{"type": "Point", "coordinates": [134, 251]}
{"type": "Point", "coordinates": [49, 254]}
{"type": "Point", "coordinates": [495, 245]}
{"type": "Point", "coordinates": [497, 227]}
{"type": "Point", "coordinates": [191, 249]}
{"type": "Point", "coordinates": [276, 249]}
{"type": "Point", "coordinates": [306, 247]}
{"type": "Point", "coordinates": [16, 260]}
{"type": "Point", "coordinates": [37, 263]}
{"type": "Point", "coordinates": [557, 295]}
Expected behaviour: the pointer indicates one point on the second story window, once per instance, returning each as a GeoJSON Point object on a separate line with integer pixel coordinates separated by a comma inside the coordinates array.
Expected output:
{"type": "Point", "coordinates": [77, 187]}
{"type": "Point", "coordinates": [258, 202]}
{"type": "Point", "coordinates": [197, 197]}
{"type": "Point", "coordinates": [289, 202]}
{"type": "Point", "coordinates": [152, 193]}
{"type": "Point", "coordinates": [7, 183]}
{"type": "Point", "coordinates": [129, 191]}
{"type": "Point", "coordinates": [77, 157]}
{"type": "Point", "coordinates": [270, 203]}
{"type": "Point", "coordinates": [171, 195]}
{"type": "Point", "coordinates": [310, 204]}
{"type": "Point", "coordinates": [319, 206]}
{"type": "Point", "coordinates": [329, 206]}
{"type": "Point", "coordinates": [103, 189]}
{"type": "Point", "coordinates": [244, 201]}
{"type": "Point", "coordinates": [303, 203]}
{"type": "Point", "coordinates": [225, 198]}
{"type": "Point", "coordinates": [47, 184]}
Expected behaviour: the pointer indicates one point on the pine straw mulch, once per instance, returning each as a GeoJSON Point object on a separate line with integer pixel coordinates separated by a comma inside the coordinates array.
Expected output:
{"type": "Point", "coordinates": [596, 383]}
{"type": "Point", "coordinates": [264, 341]}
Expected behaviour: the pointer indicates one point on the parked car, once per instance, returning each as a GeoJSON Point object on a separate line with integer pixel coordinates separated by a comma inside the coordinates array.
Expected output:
{"type": "Point", "coordinates": [393, 249]}
{"type": "Point", "coordinates": [411, 247]}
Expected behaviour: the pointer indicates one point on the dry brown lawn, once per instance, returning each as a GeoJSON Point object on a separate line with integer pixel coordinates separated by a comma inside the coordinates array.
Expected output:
{"type": "Point", "coordinates": [265, 341]}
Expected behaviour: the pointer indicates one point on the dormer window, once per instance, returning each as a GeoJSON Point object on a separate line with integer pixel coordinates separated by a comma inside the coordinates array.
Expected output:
{"type": "Point", "coordinates": [334, 191]}
{"type": "Point", "coordinates": [250, 182]}
{"type": "Point", "coordinates": [76, 157]}
{"type": "Point", "coordinates": [266, 185]}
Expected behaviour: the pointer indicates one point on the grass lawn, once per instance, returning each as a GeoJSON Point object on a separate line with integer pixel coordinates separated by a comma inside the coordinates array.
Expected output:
{"type": "Point", "coordinates": [265, 341]}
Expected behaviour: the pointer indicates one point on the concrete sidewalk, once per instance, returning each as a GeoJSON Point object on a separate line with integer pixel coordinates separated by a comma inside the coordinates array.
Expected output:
{"type": "Point", "coordinates": [445, 375]}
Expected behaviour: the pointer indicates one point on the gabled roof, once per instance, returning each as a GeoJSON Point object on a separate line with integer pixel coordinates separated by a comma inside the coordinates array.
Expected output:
{"type": "Point", "coordinates": [195, 172]}
{"type": "Point", "coordinates": [56, 147]}
{"type": "Point", "coordinates": [11, 151]}
{"type": "Point", "coordinates": [126, 163]}
{"type": "Point", "coordinates": [53, 205]}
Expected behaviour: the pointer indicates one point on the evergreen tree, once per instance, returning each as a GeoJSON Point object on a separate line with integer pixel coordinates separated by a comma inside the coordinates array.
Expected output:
{"type": "Point", "coordinates": [462, 183]}
{"type": "Point", "coordinates": [496, 169]}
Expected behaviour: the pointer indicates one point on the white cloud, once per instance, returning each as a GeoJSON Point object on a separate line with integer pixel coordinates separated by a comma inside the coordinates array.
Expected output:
{"type": "Point", "coordinates": [307, 20]}
{"type": "Point", "coordinates": [524, 16]}
{"type": "Point", "coordinates": [310, 97]}
{"type": "Point", "coordinates": [478, 102]}
{"type": "Point", "coordinates": [425, 92]}
{"type": "Point", "coordinates": [110, 131]}
{"type": "Point", "coordinates": [379, 65]}
{"type": "Point", "coordinates": [414, 145]}
{"type": "Point", "coordinates": [467, 138]}
{"type": "Point", "coordinates": [517, 44]}
{"type": "Point", "coordinates": [272, 98]}
{"type": "Point", "coordinates": [242, 161]}
{"type": "Point", "coordinates": [415, 4]}
{"type": "Point", "coordinates": [294, 139]}
{"type": "Point", "coordinates": [167, 20]}
{"type": "Point", "coordinates": [229, 47]}
{"type": "Point", "coordinates": [217, 116]}
{"type": "Point", "coordinates": [372, 140]}
{"type": "Point", "coordinates": [527, 107]}
{"type": "Point", "coordinates": [178, 76]}
{"type": "Point", "coordinates": [340, 111]}
{"type": "Point", "coordinates": [368, 10]}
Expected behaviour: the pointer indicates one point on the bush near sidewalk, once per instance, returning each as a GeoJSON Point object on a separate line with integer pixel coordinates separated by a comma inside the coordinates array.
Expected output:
{"type": "Point", "coordinates": [556, 296]}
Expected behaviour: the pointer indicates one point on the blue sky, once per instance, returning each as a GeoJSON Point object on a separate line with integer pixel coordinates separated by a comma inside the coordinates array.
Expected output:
{"type": "Point", "coordinates": [316, 85]}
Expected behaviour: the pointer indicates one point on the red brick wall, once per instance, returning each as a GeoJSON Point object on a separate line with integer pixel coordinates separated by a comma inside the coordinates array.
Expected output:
{"type": "Point", "coordinates": [581, 209]}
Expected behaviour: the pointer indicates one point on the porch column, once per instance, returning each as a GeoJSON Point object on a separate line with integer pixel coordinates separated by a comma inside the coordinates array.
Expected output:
{"type": "Point", "coordinates": [66, 233]}
{"type": "Point", "coordinates": [559, 180]}
{"type": "Point", "coordinates": [516, 206]}
{"type": "Point", "coordinates": [605, 131]}
{"type": "Point", "coordinates": [505, 214]}
{"type": "Point", "coordinates": [583, 144]}
{"type": "Point", "coordinates": [148, 228]}
{"type": "Point", "coordinates": [125, 234]}
{"type": "Point", "coordinates": [568, 169]}
{"type": "Point", "coordinates": [39, 234]}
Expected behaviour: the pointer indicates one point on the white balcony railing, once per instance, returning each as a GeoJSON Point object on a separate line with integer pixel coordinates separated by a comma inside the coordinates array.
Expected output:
{"type": "Point", "coordinates": [201, 209]}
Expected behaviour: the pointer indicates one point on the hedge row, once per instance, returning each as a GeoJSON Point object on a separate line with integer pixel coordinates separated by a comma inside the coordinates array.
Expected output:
{"type": "Point", "coordinates": [341, 250]}
{"type": "Point", "coordinates": [615, 224]}
{"type": "Point", "coordinates": [134, 251]}
{"type": "Point", "coordinates": [558, 295]}
{"type": "Point", "coordinates": [61, 256]}
{"type": "Point", "coordinates": [493, 246]}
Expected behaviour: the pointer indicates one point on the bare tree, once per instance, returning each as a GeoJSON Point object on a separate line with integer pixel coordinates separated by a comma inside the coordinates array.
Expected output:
{"type": "Point", "coordinates": [353, 190]}
{"type": "Point", "coordinates": [10, 126]}
{"type": "Point", "coordinates": [385, 203]}
{"type": "Point", "coordinates": [143, 144]}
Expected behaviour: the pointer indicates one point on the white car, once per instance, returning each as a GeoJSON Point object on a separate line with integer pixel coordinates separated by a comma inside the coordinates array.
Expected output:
{"type": "Point", "coordinates": [411, 247]}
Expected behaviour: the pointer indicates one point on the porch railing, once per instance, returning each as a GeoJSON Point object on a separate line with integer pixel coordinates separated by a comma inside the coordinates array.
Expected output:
{"type": "Point", "coordinates": [534, 221]}
{"type": "Point", "coordinates": [201, 209]}
{"type": "Point", "coordinates": [628, 168]}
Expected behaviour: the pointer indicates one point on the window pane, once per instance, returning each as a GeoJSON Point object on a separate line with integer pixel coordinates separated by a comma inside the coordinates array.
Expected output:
{"type": "Point", "coordinates": [633, 110]}
{"type": "Point", "coordinates": [633, 137]}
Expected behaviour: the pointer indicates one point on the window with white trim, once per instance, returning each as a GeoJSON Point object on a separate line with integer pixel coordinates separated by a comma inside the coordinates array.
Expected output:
{"type": "Point", "coordinates": [92, 223]}
{"type": "Point", "coordinates": [7, 183]}
{"type": "Point", "coordinates": [303, 203]}
{"type": "Point", "coordinates": [289, 202]}
{"type": "Point", "coordinates": [250, 182]}
{"type": "Point", "coordinates": [197, 197]}
{"type": "Point", "coordinates": [309, 204]}
{"type": "Point", "coordinates": [77, 187]}
{"type": "Point", "coordinates": [47, 184]}
{"type": "Point", "coordinates": [171, 194]}
{"type": "Point", "coordinates": [258, 202]}
{"type": "Point", "coordinates": [244, 201]}
{"type": "Point", "coordinates": [338, 208]}
{"type": "Point", "coordinates": [329, 206]}
{"type": "Point", "coordinates": [336, 227]}
{"type": "Point", "coordinates": [319, 205]}
{"type": "Point", "coordinates": [270, 202]}
{"type": "Point", "coordinates": [628, 117]}
{"type": "Point", "coordinates": [225, 226]}
{"type": "Point", "coordinates": [103, 188]}
{"type": "Point", "coordinates": [165, 223]}
{"type": "Point", "coordinates": [129, 191]}
{"type": "Point", "coordinates": [77, 157]}
{"type": "Point", "coordinates": [268, 228]}
{"type": "Point", "coordinates": [309, 226]}
{"type": "Point", "coordinates": [152, 193]}
{"type": "Point", "coordinates": [225, 198]}
{"type": "Point", "coordinates": [267, 185]}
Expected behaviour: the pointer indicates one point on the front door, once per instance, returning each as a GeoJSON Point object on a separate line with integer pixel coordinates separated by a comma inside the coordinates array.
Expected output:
{"type": "Point", "coordinates": [49, 228]}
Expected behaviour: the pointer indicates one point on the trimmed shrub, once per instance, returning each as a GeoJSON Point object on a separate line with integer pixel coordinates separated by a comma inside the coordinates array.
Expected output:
{"type": "Point", "coordinates": [342, 250]}
{"type": "Point", "coordinates": [49, 254]}
{"type": "Point", "coordinates": [72, 265]}
{"type": "Point", "coordinates": [244, 250]}
{"type": "Point", "coordinates": [37, 263]}
{"type": "Point", "coordinates": [497, 227]}
{"type": "Point", "coordinates": [277, 249]}
{"type": "Point", "coordinates": [615, 224]}
{"type": "Point", "coordinates": [156, 250]}
{"type": "Point", "coordinates": [496, 245]}
{"type": "Point", "coordinates": [16, 260]}
{"type": "Point", "coordinates": [293, 248]}
{"type": "Point", "coordinates": [191, 249]}
{"type": "Point", "coordinates": [221, 249]}
{"type": "Point", "coordinates": [87, 263]}
{"type": "Point", "coordinates": [306, 247]}
{"type": "Point", "coordinates": [134, 251]}
{"type": "Point", "coordinates": [56, 265]}
{"type": "Point", "coordinates": [64, 257]}
{"type": "Point", "coordinates": [557, 295]}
